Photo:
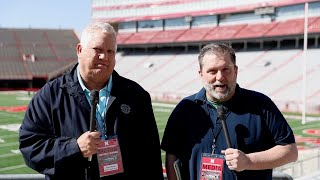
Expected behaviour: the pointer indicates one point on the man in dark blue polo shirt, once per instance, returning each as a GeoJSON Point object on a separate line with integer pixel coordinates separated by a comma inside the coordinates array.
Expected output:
{"type": "Point", "coordinates": [195, 143]}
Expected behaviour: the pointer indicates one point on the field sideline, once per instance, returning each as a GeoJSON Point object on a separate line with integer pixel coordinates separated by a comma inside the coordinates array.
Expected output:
{"type": "Point", "coordinates": [12, 106]}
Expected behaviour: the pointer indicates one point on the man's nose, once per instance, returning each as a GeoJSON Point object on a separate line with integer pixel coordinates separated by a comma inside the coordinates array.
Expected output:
{"type": "Point", "coordinates": [102, 56]}
{"type": "Point", "coordinates": [219, 76]}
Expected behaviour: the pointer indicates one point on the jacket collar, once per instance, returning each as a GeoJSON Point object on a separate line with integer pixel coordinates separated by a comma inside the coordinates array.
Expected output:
{"type": "Point", "coordinates": [73, 87]}
{"type": "Point", "coordinates": [200, 97]}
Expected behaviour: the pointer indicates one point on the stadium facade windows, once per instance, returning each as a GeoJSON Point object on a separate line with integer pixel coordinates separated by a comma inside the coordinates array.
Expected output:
{"type": "Point", "coordinates": [203, 21]}
{"type": "Point", "coordinates": [242, 18]}
{"type": "Point", "coordinates": [290, 12]}
{"type": "Point", "coordinates": [150, 25]}
{"type": "Point", "coordinates": [297, 11]}
{"type": "Point", "coordinates": [314, 9]}
{"type": "Point", "coordinates": [128, 26]}
{"type": "Point", "coordinates": [176, 23]}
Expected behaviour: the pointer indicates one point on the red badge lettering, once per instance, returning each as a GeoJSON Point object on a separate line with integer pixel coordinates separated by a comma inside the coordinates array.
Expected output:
{"type": "Point", "coordinates": [109, 157]}
{"type": "Point", "coordinates": [211, 168]}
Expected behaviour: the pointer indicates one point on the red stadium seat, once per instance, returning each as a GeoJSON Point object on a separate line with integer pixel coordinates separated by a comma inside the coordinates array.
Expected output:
{"type": "Point", "coordinates": [255, 30]}
{"type": "Point", "coordinates": [224, 32]}
{"type": "Point", "coordinates": [168, 36]}
{"type": "Point", "coordinates": [196, 34]}
{"type": "Point", "coordinates": [122, 37]}
{"type": "Point", "coordinates": [289, 27]}
{"type": "Point", "coordinates": [141, 37]}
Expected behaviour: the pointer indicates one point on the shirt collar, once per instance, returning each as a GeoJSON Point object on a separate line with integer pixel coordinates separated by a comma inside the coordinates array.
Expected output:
{"type": "Point", "coordinates": [84, 88]}
{"type": "Point", "coordinates": [86, 91]}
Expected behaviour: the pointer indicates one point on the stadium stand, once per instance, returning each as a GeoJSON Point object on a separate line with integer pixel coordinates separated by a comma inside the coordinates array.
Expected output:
{"type": "Point", "coordinates": [31, 57]}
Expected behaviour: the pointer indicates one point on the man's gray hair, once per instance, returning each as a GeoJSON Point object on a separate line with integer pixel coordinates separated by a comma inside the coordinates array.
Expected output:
{"type": "Point", "coordinates": [219, 49]}
{"type": "Point", "coordinates": [94, 26]}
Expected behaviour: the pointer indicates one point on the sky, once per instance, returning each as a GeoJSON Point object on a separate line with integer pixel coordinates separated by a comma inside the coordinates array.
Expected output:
{"type": "Point", "coordinates": [47, 14]}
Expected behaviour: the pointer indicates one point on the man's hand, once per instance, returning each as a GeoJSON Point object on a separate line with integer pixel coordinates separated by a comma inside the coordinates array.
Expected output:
{"type": "Point", "coordinates": [236, 159]}
{"type": "Point", "coordinates": [88, 143]}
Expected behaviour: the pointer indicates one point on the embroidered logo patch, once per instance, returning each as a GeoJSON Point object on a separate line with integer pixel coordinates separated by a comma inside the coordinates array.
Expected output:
{"type": "Point", "coordinates": [125, 108]}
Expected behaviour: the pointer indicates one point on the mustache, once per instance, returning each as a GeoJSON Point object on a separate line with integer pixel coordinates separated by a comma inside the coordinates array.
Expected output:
{"type": "Point", "coordinates": [212, 85]}
{"type": "Point", "coordinates": [217, 84]}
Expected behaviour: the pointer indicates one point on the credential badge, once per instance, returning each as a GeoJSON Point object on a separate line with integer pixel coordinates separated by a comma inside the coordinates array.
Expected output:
{"type": "Point", "coordinates": [125, 108]}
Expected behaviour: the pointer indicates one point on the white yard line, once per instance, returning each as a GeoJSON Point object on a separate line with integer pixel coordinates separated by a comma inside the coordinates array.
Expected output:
{"type": "Point", "coordinates": [9, 136]}
{"type": "Point", "coordinates": [307, 126]}
{"type": "Point", "coordinates": [8, 155]}
{"type": "Point", "coordinates": [164, 105]}
{"type": "Point", "coordinates": [2, 113]}
{"type": "Point", "coordinates": [9, 144]}
{"type": "Point", "coordinates": [162, 110]}
{"type": "Point", "coordinates": [11, 127]}
{"type": "Point", "coordinates": [13, 167]}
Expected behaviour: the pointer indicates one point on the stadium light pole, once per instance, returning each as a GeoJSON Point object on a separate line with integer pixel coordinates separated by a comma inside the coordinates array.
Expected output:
{"type": "Point", "coordinates": [304, 66]}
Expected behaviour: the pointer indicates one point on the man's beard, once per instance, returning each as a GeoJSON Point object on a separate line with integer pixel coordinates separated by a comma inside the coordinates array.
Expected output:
{"type": "Point", "coordinates": [219, 96]}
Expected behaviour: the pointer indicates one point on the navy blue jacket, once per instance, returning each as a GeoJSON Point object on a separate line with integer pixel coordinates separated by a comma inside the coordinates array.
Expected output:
{"type": "Point", "coordinates": [253, 120]}
{"type": "Point", "coordinates": [59, 113]}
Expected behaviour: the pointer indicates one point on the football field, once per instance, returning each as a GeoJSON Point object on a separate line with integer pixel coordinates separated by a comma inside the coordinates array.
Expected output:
{"type": "Point", "coordinates": [13, 105]}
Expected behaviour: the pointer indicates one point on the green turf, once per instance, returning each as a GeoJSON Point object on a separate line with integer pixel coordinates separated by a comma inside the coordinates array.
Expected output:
{"type": "Point", "coordinates": [11, 163]}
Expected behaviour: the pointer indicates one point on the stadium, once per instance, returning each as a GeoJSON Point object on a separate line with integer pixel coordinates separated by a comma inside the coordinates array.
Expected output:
{"type": "Point", "coordinates": [277, 43]}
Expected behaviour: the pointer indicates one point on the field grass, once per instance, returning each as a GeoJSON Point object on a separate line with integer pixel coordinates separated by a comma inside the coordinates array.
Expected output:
{"type": "Point", "coordinates": [11, 161]}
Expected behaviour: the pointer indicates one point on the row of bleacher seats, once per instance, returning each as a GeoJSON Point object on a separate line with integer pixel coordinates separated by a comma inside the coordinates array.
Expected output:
{"type": "Point", "coordinates": [10, 52]}
{"type": "Point", "coordinates": [13, 70]}
{"type": "Point", "coordinates": [277, 73]}
{"type": "Point", "coordinates": [41, 52]}
{"type": "Point", "coordinates": [26, 70]}
{"type": "Point", "coordinates": [44, 44]}
{"type": "Point", "coordinates": [37, 36]}
{"type": "Point", "coordinates": [65, 52]}
{"type": "Point", "coordinates": [227, 32]}
{"type": "Point", "coordinates": [43, 68]}
{"type": "Point", "coordinates": [61, 37]}
{"type": "Point", "coordinates": [28, 53]}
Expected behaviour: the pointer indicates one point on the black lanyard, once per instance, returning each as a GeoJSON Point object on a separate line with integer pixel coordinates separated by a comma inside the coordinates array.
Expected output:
{"type": "Point", "coordinates": [216, 124]}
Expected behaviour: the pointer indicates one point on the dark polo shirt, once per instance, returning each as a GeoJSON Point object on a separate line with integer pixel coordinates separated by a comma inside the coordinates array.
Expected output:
{"type": "Point", "coordinates": [253, 120]}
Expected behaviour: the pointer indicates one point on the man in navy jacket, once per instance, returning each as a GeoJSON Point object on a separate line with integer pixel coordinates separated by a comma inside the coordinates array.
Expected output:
{"type": "Point", "coordinates": [54, 137]}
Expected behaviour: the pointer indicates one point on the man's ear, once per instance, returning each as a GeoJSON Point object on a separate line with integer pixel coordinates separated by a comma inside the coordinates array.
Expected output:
{"type": "Point", "coordinates": [236, 70]}
{"type": "Point", "coordinates": [79, 49]}
{"type": "Point", "coordinates": [200, 72]}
